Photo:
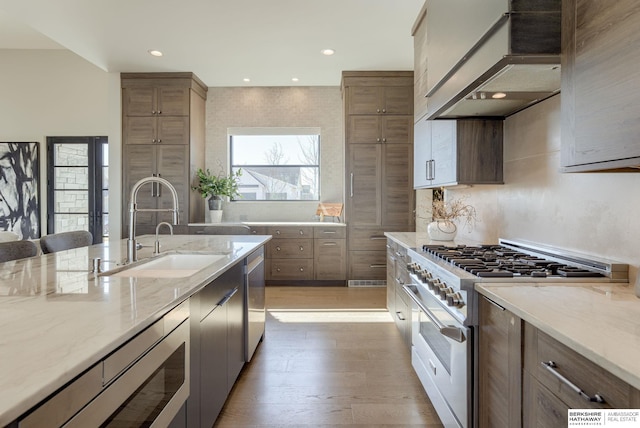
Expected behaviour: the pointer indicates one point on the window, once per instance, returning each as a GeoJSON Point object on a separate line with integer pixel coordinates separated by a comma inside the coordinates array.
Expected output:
{"type": "Point", "coordinates": [278, 164]}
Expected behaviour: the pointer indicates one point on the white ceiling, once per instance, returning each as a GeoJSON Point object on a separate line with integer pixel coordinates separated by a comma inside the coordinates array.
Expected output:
{"type": "Point", "coordinates": [221, 41]}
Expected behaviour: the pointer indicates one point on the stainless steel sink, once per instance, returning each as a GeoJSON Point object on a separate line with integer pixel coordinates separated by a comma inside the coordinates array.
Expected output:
{"type": "Point", "coordinates": [170, 266]}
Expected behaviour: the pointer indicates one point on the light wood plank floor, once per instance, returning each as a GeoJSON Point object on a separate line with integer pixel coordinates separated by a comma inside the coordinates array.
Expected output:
{"type": "Point", "coordinates": [332, 356]}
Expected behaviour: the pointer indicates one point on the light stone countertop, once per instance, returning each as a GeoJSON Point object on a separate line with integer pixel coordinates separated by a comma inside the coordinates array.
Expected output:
{"type": "Point", "coordinates": [58, 319]}
{"type": "Point", "coordinates": [274, 223]}
{"type": "Point", "coordinates": [600, 321]}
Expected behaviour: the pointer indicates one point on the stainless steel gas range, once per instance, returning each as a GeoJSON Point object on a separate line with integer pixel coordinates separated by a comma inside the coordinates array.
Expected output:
{"type": "Point", "coordinates": [445, 309]}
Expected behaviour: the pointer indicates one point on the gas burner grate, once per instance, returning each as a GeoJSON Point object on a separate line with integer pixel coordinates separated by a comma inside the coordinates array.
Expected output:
{"type": "Point", "coordinates": [496, 261]}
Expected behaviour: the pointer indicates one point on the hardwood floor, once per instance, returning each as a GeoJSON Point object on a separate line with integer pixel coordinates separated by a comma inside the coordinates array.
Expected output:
{"type": "Point", "coordinates": [332, 356]}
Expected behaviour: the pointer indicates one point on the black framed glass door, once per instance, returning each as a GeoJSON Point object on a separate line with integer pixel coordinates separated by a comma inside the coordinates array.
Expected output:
{"type": "Point", "coordinates": [78, 185]}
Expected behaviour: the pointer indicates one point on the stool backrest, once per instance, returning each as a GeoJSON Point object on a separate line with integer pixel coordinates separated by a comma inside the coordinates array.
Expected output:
{"type": "Point", "coordinates": [65, 241]}
{"type": "Point", "coordinates": [17, 250]}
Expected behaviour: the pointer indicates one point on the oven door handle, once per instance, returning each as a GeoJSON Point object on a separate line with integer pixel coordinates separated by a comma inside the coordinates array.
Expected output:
{"type": "Point", "coordinates": [449, 331]}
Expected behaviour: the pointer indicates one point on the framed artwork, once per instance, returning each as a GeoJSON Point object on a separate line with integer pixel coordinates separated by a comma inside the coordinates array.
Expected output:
{"type": "Point", "coordinates": [19, 189]}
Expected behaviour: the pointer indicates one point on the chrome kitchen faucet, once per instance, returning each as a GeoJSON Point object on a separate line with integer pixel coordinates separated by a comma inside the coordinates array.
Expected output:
{"type": "Point", "coordinates": [132, 250]}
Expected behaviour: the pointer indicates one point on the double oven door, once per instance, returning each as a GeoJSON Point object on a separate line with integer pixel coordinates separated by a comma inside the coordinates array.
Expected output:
{"type": "Point", "coordinates": [442, 356]}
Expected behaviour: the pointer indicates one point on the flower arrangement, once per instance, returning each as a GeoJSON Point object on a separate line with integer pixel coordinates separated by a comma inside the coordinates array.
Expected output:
{"type": "Point", "coordinates": [454, 209]}
{"type": "Point", "coordinates": [217, 185]}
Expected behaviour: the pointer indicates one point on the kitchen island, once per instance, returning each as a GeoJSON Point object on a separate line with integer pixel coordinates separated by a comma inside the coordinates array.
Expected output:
{"type": "Point", "coordinates": [58, 318]}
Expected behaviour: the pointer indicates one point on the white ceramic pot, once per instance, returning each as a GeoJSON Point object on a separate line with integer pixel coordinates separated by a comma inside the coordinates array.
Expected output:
{"type": "Point", "coordinates": [442, 230]}
{"type": "Point", "coordinates": [215, 216]}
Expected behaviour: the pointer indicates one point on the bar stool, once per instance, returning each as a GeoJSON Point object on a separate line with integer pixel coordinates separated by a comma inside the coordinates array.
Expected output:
{"type": "Point", "coordinates": [17, 250]}
{"type": "Point", "coordinates": [65, 241]}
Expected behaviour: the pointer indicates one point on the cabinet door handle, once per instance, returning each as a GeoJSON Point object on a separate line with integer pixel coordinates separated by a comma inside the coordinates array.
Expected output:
{"type": "Point", "coordinates": [159, 187]}
{"type": "Point", "coordinates": [426, 170]}
{"type": "Point", "coordinates": [301, 269]}
{"type": "Point", "coordinates": [351, 181]}
{"type": "Point", "coordinates": [384, 140]}
{"type": "Point", "coordinates": [377, 237]}
{"type": "Point", "coordinates": [278, 248]}
{"type": "Point", "coordinates": [400, 316]}
{"type": "Point", "coordinates": [301, 248]}
{"type": "Point", "coordinates": [384, 110]}
{"type": "Point", "coordinates": [301, 232]}
{"type": "Point", "coordinates": [433, 169]}
{"type": "Point", "coordinates": [228, 297]}
{"type": "Point", "coordinates": [551, 366]}
{"type": "Point", "coordinates": [278, 232]}
{"type": "Point", "coordinates": [330, 244]}
{"type": "Point", "coordinates": [159, 112]}
{"type": "Point", "coordinates": [378, 140]}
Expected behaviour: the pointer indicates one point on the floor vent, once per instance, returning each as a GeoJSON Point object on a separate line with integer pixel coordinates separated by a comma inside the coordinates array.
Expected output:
{"type": "Point", "coordinates": [367, 283]}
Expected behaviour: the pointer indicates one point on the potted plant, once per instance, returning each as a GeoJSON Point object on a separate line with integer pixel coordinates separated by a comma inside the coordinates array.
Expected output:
{"type": "Point", "coordinates": [216, 188]}
{"type": "Point", "coordinates": [443, 227]}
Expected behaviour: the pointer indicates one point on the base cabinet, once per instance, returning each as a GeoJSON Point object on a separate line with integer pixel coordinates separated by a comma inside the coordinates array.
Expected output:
{"type": "Point", "coordinates": [217, 337]}
{"type": "Point", "coordinates": [500, 363]}
{"type": "Point", "coordinates": [305, 254]}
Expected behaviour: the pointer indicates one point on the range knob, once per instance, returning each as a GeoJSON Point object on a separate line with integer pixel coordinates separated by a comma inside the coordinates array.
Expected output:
{"type": "Point", "coordinates": [411, 267]}
{"type": "Point", "coordinates": [425, 276]}
{"type": "Point", "coordinates": [444, 291]}
{"type": "Point", "coordinates": [455, 300]}
{"type": "Point", "coordinates": [434, 284]}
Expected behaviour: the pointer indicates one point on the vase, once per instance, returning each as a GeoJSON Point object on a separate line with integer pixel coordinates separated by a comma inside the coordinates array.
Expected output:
{"type": "Point", "coordinates": [215, 209]}
{"type": "Point", "coordinates": [442, 230]}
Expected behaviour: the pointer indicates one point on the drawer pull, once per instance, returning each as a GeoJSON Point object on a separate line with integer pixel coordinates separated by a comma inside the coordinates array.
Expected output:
{"type": "Point", "coordinates": [330, 244]}
{"type": "Point", "coordinates": [377, 237]}
{"type": "Point", "coordinates": [378, 266]}
{"type": "Point", "coordinates": [551, 366]}
{"type": "Point", "coordinates": [301, 248]}
{"type": "Point", "coordinates": [301, 232]}
{"type": "Point", "coordinates": [278, 248]}
{"type": "Point", "coordinates": [328, 232]}
{"type": "Point", "coordinates": [278, 232]}
{"type": "Point", "coordinates": [301, 269]}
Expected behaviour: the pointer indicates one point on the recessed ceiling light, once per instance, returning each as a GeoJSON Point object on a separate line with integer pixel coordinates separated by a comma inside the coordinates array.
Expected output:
{"type": "Point", "coordinates": [294, 79]}
{"type": "Point", "coordinates": [498, 95]}
{"type": "Point", "coordinates": [246, 79]}
{"type": "Point", "coordinates": [155, 52]}
{"type": "Point", "coordinates": [327, 52]}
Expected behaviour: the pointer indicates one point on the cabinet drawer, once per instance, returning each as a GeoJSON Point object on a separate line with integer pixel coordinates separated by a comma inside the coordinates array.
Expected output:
{"type": "Point", "coordinates": [368, 265]}
{"type": "Point", "coordinates": [367, 238]}
{"type": "Point", "coordinates": [291, 269]}
{"type": "Point", "coordinates": [290, 249]}
{"type": "Point", "coordinates": [589, 377]}
{"type": "Point", "coordinates": [339, 232]}
{"type": "Point", "coordinates": [290, 231]}
{"type": "Point", "coordinates": [258, 230]}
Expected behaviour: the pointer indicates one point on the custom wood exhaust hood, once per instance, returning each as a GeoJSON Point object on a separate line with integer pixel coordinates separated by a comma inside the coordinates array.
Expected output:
{"type": "Point", "coordinates": [491, 59]}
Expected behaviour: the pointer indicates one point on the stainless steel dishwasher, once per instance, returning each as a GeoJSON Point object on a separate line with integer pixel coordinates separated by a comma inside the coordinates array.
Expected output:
{"type": "Point", "coordinates": [254, 302]}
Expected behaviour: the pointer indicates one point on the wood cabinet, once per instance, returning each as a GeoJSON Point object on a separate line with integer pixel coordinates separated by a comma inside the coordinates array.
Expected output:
{"type": "Point", "coordinates": [599, 104]}
{"type": "Point", "coordinates": [453, 152]}
{"type": "Point", "coordinates": [167, 161]}
{"type": "Point", "coordinates": [217, 352]}
{"type": "Point", "coordinates": [378, 110]}
{"type": "Point", "coordinates": [398, 303]}
{"type": "Point", "coordinates": [305, 254]}
{"type": "Point", "coordinates": [163, 128]}
{"type": "Point", "coordinates": [547, 396]}
{"type": "Point", "coordinates": [329, 253]}
{"type": "Point", "coordinates": [500, 366]}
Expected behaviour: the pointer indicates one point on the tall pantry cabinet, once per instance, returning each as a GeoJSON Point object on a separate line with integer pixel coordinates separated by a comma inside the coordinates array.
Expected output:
{"type": "Point", "coordinates": [378, 109]}
{"type": "Point", "coordinates": [163, 133]}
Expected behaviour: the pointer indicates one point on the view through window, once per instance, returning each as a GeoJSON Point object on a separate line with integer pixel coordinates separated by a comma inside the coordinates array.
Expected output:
{"type": "Point", "coordinates": [277, 164]}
